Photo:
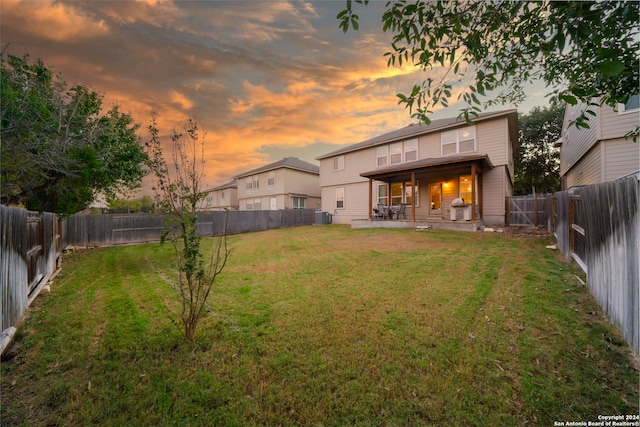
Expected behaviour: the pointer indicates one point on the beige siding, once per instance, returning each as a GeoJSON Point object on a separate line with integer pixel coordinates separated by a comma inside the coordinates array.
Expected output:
{"type": "Point", "coordinates": [354, 164]}
{"type": "Point", "coordinates": [588, 170]}
{"type": "Point", "coordinates": [299, 182]}
{"type": "Point", "coordinates": [287, 181]}
{"type": "Point", "coordinates": [356, 202]}
{"type": "Point", "coordinates": [577, 142]}
{"type": "Point", "coordinates": [621, 157]}
{"type": "Point", "coordinates": [429, 146]}
{"type": "Point", "coordinates": [494, 185]}
{"type": "Point", "coordinates": [493, 139]}
{"type": "Point", "coordinates": [617, 124]}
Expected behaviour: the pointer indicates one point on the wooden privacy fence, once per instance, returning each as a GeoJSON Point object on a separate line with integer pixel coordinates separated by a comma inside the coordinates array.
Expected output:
{"type": "Point", "coordinates": [528, 211]}
{"type": "Point", "coordinates": [31, 255]}
{"type": "Point", "coordinates": [598, 226]}
{"type": "Point", "coordinates": [118, 229]}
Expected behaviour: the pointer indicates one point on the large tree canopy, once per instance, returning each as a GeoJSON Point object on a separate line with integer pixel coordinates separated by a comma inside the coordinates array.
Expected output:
{"type": "Point", "coordinates": [59, 149]}
{"type": "Point", "coordinates": [586, 50]}
{"type": "Point", "coordinates": [537, 168]}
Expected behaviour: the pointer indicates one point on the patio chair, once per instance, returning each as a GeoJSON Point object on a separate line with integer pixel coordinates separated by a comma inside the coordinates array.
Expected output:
{"type": "Point", "coordinates": [377, 213]}
{"type": "Point", "coordinates": [402, 211]}
{"type": "Point", "coordinates": [383, 211]}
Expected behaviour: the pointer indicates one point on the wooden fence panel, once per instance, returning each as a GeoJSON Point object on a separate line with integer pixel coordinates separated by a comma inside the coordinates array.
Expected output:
{"type": "Point", "coordinates": [598, 226]}
{"type": "Point", "coordinates": [31, 254]}
{"type": "Point", "coordinates": [528, 211]}
{"type": "Point", "coordinates": [118, 229]}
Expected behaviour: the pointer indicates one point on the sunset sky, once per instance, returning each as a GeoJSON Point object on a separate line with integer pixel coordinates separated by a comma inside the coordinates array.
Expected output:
{"type": "Point", "coordinates": [265, 79]}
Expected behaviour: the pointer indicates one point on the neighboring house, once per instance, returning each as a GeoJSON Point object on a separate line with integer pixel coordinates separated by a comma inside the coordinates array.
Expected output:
{"type": "Point", "coordinates": [221, 197]}
{"type": "Point", "coordinates": [289, 183]}
{"type": "Point", "coordinates": [425, 167]}
{"type": "Point", "coordinates": [601, 152]}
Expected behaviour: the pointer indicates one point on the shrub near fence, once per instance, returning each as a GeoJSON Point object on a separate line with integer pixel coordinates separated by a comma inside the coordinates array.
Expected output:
{"type": "Point", "coordinates": [118, 229]}
{"type": "Point", "coordinates": [30, 256]}
{"type": "Point", "coordinates": [598, 226]}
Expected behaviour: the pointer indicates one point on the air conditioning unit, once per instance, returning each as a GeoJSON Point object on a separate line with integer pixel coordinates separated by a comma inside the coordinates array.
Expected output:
{"type": "Point", "coordinates": [323, 218]}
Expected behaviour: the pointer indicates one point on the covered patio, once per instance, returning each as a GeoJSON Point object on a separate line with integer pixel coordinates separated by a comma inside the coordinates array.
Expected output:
{"type": "Point", "coordinates": [447, 180]}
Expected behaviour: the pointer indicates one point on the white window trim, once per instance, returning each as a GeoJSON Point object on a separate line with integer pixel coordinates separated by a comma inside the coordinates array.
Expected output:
{"type": "Point", "coordinates": [340, 163]}
{"type": "Point", "coordinates": [338, 191]}
{"type": "Point", "coordinates": [622, 109]}
{"type": "Point", "coordinates": [458, 140]}
{"type": "Point", "coordinates": [403, 153]}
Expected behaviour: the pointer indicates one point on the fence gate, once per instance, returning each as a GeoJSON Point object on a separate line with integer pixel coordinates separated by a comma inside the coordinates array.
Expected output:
{"type": "Point", "coordinates": [527, 211]}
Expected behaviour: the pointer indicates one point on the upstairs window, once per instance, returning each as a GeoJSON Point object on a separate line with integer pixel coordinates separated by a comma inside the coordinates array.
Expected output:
{"type": "Point", "coordinates": [458, 141]}
{"type": "Point", "coordinates": [397, 153]}
{"type": "Point", "coordinates": [411, 150]}
{"type": "Point", "coordinates": [271, 179]}
{"type": "Point", "coordinates": [338, 163]}
{"type": "Point", "coordinates": [382, 153]}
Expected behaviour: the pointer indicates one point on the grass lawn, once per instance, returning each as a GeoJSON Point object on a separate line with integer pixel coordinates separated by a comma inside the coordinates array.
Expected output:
{"type": "Point", "coordinates": [323, 325]}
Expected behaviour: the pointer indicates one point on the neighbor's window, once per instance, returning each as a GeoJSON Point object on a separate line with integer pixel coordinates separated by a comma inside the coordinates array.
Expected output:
{"type": "Point", "coordinates": [271, 179]}
{"type": "Point", "coordinates": [249, 183]}
{"type": "Point", "coordinates": [338, 163]}
{"type": "Point", "coordinates": [340, 198]}
{"type": "Point", "coordinates": [632, 104]}
{"type": "Point", "coordinates": [257, 204]}
{"type": "Point", "coordinates": [382, 153]}
{"type": "Point", "coordinates": [256, 181]}
{"type": "Point", "coordinates": [458, 141]}
{"type": "Point", "coordinates": [298, 202]}
{"type": "Point", "coordinates": [382, 194]}
{"type": "Point", "coordinates": [222, 193]}
{"type": "Point", "coordinates": [249, 206]}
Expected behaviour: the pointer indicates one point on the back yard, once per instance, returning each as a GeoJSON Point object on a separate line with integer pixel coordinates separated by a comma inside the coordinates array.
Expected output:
{"type": "Point", "coordinates": [323, 325]}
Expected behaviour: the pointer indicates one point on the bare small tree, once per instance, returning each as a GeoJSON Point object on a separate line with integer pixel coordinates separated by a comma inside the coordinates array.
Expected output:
{"type": "Point", "coordinates": [178, 191]}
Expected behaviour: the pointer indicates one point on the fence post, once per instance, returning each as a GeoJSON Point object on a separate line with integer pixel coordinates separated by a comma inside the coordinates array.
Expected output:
{"type": "Point", "coordinates": [572, 217]}
{"type": "Point", "coordinates": [507, 214]}
{"type": "Point", "coordinates": [535, 210]}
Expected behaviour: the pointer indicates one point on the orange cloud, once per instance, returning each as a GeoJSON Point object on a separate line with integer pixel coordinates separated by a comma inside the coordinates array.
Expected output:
{"type": "Point", "coordinates": [54, 21]}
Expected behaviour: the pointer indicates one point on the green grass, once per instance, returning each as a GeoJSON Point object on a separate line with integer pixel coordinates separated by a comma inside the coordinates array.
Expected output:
{"type": "Point", "coordinates": [323, 326]}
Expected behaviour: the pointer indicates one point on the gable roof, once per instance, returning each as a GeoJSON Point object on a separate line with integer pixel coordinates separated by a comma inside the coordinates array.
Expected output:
{"type": "Point", "coordinates": [231, 184]}
{"type": "Point", "coordinates": [419, 129]}
{"type": "Point", "coordinates": [288, 162]}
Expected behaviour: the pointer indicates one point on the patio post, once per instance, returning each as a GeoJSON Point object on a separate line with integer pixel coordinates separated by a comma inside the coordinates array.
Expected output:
{"type": "Point", "coordinates": [370, 199]}
{"type": "Point", "coordinates": [473, 192]}
{"type": "Point", "coordinates": [413, 196]}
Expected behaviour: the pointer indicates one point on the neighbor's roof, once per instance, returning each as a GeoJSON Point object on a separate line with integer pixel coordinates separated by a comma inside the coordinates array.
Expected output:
{"type": "Point", "coordinates": [418, 129]}
{"type": "Point", "coordinates": [231, 184]}
{"type": "Point", "coordinates": [287, 162]}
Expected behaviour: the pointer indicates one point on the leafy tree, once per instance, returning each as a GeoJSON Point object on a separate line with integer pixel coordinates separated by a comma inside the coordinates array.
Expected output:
{"type": "Point", "coordinates": [59, 148]}
{"type": "Point", "coordinates": [537, 168]}
{"type": "Point", "coordinates": [588, 50]}
{"type": "Point", "coordinates": [142, 204]}
{"type": "Point", "coordinates": [179, 188]}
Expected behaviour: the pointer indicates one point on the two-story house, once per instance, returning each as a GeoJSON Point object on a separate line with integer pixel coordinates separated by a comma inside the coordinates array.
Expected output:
{"type": "Point", "coordinates": [289, 183]}
{"type": "Point", "coordinates": [425, 168]}
{"type": "Point", "coordinates": [222, 197]}
{"type": "Point", "coordinates": [601, 152]}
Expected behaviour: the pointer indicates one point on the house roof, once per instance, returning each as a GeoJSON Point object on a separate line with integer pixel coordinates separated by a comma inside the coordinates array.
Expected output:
{"type": "Point", "coordinates": [288, 162]}
{"type": "Point", "coordinates": [460, 160]}
{"type": "Point", "coordinates": [231, 184]}
{"type": "Point", "coordinates": [419, 129]}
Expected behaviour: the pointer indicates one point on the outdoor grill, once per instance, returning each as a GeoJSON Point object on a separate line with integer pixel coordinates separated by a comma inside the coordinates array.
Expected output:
{"type": "Point", "coordinates": [460, 210]}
